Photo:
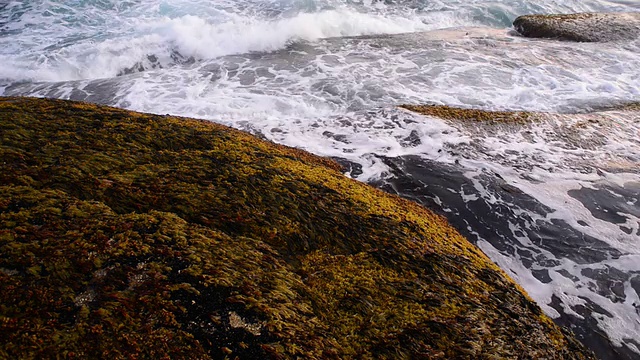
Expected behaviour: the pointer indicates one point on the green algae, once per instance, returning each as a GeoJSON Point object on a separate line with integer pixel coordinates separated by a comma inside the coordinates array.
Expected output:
{"type": "Point", "coordinates": [128, 235]}
{"type": "Point", "coordinates": [515, 118]}
{"type": "Point", "coordinates": [473, 115]}
{"type": "Point", "coordinates": [628, 106]}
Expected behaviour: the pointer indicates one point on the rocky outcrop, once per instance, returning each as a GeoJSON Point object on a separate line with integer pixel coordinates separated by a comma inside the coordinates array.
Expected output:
{"type": "Point", "coordinates": [128, 235]}
{"type": "Point", "coordinates": [582, 27]}
{"type": "Point", "coordinates": [486, 207]}
{"type": "Point", "coordinates": [473, 115]}
{"type": "Point", "coordinates": [431, 183]}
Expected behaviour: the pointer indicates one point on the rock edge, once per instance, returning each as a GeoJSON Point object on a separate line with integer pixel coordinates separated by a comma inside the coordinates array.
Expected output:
{"type": "Point", "coordinates": [135, 235]}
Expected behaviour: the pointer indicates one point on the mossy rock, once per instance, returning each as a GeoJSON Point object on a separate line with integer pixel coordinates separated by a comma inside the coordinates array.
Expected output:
{"type": "Point", "coordinates": [516, 118]}
{"type": "Point", "coordinates": [628, 107]}
{"type": "Point", "coordinates": [128, 235]}
{"type": "Point", "coordinates": [581, 27]}
{"type": "Point", "coordinates": [472, 115]}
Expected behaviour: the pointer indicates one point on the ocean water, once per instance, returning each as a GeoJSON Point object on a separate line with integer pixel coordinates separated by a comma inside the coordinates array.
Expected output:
{"type": "Point", "coordinates": [555, 203]}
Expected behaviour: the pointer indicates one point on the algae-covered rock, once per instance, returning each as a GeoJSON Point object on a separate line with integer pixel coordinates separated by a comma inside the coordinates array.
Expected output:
{"type": "Point", "coordinates": [582, 27]}
{"type": "Point", "coordinates": [475, 115]}
{"type": "Point", "coordinates": [128, 235]}
{"type": "Point", "coordinates": [630, 106]}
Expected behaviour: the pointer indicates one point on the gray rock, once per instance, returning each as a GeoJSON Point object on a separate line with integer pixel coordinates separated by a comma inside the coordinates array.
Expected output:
{"type": "Point", "coordinates": [582, 27]}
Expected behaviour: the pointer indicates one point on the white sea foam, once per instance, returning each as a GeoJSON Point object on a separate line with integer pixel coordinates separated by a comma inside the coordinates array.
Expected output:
{"type": "Point", "coordinates": [194, 36]}
{"type": "Point", "coordinates": [197, 37]}
{"type": "Point", "coordinates": [609, 139]}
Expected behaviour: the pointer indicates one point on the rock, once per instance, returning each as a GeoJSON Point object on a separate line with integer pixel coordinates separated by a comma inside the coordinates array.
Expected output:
{"type": "Point", "coordinates": [129, 235]}
{"type": "Point", "coordinates": [582, 27]}
{"type": "Point", "coordinates": [483, 206]}
{"type": "Point", "coordinates": [433, 185]}
{"type": "Point", "coordinates": [473, 115]}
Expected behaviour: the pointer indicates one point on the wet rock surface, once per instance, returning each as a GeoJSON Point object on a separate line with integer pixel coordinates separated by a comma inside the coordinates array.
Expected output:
{"type": "Point", "coordinates": [485, 208]}
{"type": "Point", "coordinates": [126, 235]}
{"type": "Point", "coordinates": [566, 226]}
{"type": "Point", "coordinates": [582, 27]}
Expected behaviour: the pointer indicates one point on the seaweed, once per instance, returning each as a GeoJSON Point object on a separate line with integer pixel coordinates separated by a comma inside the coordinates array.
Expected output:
{"type": "Point", "coordinates": [473, 115]}
{"type": "Point", "coordinates": [130, 235]}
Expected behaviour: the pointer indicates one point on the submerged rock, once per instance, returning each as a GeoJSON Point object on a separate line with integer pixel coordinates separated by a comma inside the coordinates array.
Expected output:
{"type": "Point", "coordinates": [134, 235]}
{"type": "Point", "coordinates": [475, 115]}
{"type": "Point", "coordinates": [505, 215]}
{"type": "Point", "coordinates": [582, 27]}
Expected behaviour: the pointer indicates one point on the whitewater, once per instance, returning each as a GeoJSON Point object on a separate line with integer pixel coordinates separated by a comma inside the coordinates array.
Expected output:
{"type": "Point", "coordinates": [555, 203]}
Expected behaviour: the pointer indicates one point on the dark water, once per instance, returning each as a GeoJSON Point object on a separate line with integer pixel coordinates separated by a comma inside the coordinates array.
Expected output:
{"type": "Point", "coordinates": [447, 190]}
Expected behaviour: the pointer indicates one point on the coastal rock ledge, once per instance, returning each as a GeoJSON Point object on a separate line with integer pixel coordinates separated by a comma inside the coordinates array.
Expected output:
{"type": "Point", "coordinates": [581, 27]}
{"type": "Point", "coordinates": [129, 235]}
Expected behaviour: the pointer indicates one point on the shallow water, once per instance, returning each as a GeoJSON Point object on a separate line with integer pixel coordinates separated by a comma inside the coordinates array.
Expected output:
{"type": "Point", "coordinates": [327, 76]}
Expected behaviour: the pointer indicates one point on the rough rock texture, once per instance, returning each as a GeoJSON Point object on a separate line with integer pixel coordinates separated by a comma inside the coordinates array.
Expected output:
{"type": "Point", "coordinates": [127, 235]}
{"type": "Point", "coordinates": [582, 27]}
{"type": "Point", "coordinates": [429, 183]}
{"type": "Point", "coordinates": [461, 114]}
{"type": "Point", "coordinates": [488, 207]}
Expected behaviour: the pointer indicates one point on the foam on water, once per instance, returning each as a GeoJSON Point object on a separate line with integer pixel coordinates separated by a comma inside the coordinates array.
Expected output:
{"type": "Point", "coordinates": [61, 53]}
{"type": "Point", "coordinates": [296, 95]}
{"type": "Point", "coordinates": [61, 40]}
{"type": "Point", "coordinates": [547, 164]}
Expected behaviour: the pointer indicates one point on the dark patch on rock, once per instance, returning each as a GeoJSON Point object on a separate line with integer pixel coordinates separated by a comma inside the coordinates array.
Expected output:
{"type": "Point", "coordinates": [412, 140]}
{"type": "Point", "coordinates": [351, 168]}
{"type": "Point", "coordinates": [635, 285]}
{"type": "Point", "coordinates": [609, 282]}
{"type": "Point", "coordinates": [337, 137]}
{"type": "Point", "coordinates": [542, 275]}
{"type": "Point", "coordinates": [627, 230]}
{"type": "Point", "coordinates": [440, 187]}
{"type": "Point", "coordinates": [610, 203]}
{"type": "Point", "coordinates": [587, 331]}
